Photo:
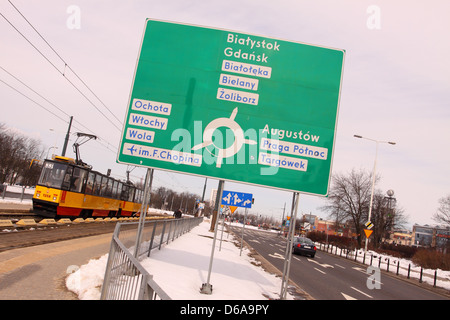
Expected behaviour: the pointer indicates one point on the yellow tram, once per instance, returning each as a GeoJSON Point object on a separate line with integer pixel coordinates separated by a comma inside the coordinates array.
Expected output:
{"type": "Point", "coordinates": [68, 189]}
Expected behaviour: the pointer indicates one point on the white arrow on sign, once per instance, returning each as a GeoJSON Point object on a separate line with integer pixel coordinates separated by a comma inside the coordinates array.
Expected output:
{"type": "Point", "coordinates": [236, 199]}
{"type": "Point", "coordinates": [246, 202]}
{"type": "Point", "coordinates": [227, 198]}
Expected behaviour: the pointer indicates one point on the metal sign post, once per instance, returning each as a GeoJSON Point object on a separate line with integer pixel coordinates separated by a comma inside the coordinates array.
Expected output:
{"type": "Point", "coordinates": [207, 287]}
{"type": "Point", "coordinates": [289, 243]}
{"type": "Point", "coordinates": [243, 226]}
{"type": "Point", "coordinates": [223, 226]}
{"type": "Point", "coordinates": [144, 209]}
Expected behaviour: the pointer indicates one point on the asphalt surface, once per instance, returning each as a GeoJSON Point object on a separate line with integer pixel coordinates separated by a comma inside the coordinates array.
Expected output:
{"type": "Point", "coordinates": [329, 277]}
{"type": "Point", "coordinates": [39, 272]}
{"type": "Point", "coordinates": [33, 260]}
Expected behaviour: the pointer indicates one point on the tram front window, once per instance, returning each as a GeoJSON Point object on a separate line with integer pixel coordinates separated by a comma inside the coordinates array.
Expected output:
{"type": "Point", "coordinates": [52, 174]}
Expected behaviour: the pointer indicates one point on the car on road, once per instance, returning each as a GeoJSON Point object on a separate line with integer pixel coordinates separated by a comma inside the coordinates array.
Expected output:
{"type": "Point", "coordinates": [303, 245]}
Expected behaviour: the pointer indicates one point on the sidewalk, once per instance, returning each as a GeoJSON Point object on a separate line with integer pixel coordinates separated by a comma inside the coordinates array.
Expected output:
{"type": "Point", "coordinates": [11, 205]}
{"type": "Point", "coordinates": [181, 267]}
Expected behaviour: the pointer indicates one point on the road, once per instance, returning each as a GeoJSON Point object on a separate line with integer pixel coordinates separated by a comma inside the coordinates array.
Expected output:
{"type": "Point", "coordinates": [328, 277]}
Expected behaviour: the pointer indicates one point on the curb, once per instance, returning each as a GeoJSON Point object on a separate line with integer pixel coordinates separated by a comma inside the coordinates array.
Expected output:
{"type": "Point", "coordinates": [24, 223]}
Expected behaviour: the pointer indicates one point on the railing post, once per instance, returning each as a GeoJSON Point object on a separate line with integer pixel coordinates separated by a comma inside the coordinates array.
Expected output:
{"type": "Point", "coordinates": [162, 234]}
{"type": "Point", "coordinates": [151, 240]}
{"type": "Point", "coordinates": [435, 278]}
{"type": "Point", "coordinates": [112, 251]}
{"type": "Point", "coordinates": [168, 233]}
{"type": "Point", "coordinates": [125, 277]}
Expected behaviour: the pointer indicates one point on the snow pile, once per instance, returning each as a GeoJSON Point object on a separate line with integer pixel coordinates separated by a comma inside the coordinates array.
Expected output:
{"type": "Point", "coordinates": [181, 267]}
{"type": "Point", "coordinates": [86, 281]}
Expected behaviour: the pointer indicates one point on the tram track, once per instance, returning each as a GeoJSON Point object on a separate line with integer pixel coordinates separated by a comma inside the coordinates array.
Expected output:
{"type": "Point", "coordinates": [32, 236]}
{"type": "Point", "coordinates": [20, 236]}
{"type": "Point", "coordinates": [19, 214]}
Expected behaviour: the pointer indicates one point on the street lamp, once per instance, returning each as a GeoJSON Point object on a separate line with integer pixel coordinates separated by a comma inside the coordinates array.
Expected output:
{"type": "Point", "coordinates": [373, 175]}
{"type": "Point", "coordinates": [50, 149]}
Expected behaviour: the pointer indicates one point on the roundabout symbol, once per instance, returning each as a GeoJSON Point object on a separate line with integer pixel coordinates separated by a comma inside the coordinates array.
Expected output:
{"type": "Point", "coordinates": [239, 139]}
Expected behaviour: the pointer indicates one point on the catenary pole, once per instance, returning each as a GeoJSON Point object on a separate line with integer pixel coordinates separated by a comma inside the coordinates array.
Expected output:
{"type": "Point", "coordinates": [66, 141]}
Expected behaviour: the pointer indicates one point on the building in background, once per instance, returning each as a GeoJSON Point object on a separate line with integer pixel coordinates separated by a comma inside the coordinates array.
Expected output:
{"type": "Point", "coordinates": [400, 237]}
{"type": "Point", "coordinates": [431, 236]}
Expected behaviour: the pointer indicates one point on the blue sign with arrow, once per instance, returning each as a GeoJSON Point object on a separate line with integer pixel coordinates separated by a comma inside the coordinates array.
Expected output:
{"type": "Point", "coordinates": [237, 199]}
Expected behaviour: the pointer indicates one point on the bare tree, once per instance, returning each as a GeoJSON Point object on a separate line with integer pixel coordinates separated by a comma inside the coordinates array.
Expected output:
{"type": "Point", "coordinates": [349, 198]}
{"type": "Point", "coordinates": [16, 155]}
{"type": "Point", "coordinates": [443, 212]}
{"type": "Point", "coordinates": [386, 216]}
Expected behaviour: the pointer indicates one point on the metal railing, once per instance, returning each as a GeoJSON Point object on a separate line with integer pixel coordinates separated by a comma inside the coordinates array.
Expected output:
{"type": "Point", "coordinates": [125, 277]}
{"type": "Point", "coordinates": [390, 264]}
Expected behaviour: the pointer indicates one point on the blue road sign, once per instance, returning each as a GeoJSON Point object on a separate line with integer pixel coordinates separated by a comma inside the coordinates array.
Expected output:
{"type": "Point", "coordinates": [237, 199]}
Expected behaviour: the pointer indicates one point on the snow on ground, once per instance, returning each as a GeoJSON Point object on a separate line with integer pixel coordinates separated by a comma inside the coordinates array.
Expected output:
{"type": "Point", "coordinates": [382, 260]}
{"type": "Point", "coordinates": [18, 190]}
{"type": "Point", "coordinates": [181, 267]}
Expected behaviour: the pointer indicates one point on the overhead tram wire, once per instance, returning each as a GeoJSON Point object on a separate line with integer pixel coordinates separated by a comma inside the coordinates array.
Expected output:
{"type": "Point", "coordinates": [40, 105]}
{"type": "Point", "coordinates": [79, 78]}
{"type": "Point", "coordinates": [64, 75]}
{"type": "Point", "coordinates": [65, 65]}
{"type": "Point", "coordinates": [21, 93]}
{"type": "Point", "coordinates": [37, 93]}
{"type": "Point", "coordinates": [55, 115]}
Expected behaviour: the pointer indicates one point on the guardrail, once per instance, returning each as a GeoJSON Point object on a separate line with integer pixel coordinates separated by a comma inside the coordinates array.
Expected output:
{"type": "Point", "coordinates": [125, 277]}
{"type": "Point", "coordinates": [390, 264]}
{"type": "Point", "coordinates": [15, 192]}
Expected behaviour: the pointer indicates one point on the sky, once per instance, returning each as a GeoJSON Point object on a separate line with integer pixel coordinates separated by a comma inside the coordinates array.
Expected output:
{"type": "Point", "coordinates": [395, 83]}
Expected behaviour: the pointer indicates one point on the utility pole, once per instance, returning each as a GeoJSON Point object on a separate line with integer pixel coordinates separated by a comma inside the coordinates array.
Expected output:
{"type": "Point", "coordinates": [373, 178]}
{"type": "Point", "coordinates": [66, 141]}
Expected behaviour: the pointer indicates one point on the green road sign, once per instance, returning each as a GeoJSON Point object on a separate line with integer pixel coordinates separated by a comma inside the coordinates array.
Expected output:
{"type": "Point", "coordinates": [233, 106]}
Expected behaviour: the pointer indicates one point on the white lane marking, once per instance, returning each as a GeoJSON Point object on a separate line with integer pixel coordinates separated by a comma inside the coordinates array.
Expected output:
{"type": "Point", "coordinates": [369, 296]}
{"type": "Point", "coordinates": [320, 271]}
{"type": "Point", "coordinates": [323, 265]}
{"type": "Point", "coordinates": [276, 255]}
{"type": "Point", "coordinates": [347, 297]}
{"type": "Point", "coordinates": [359, 269]}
